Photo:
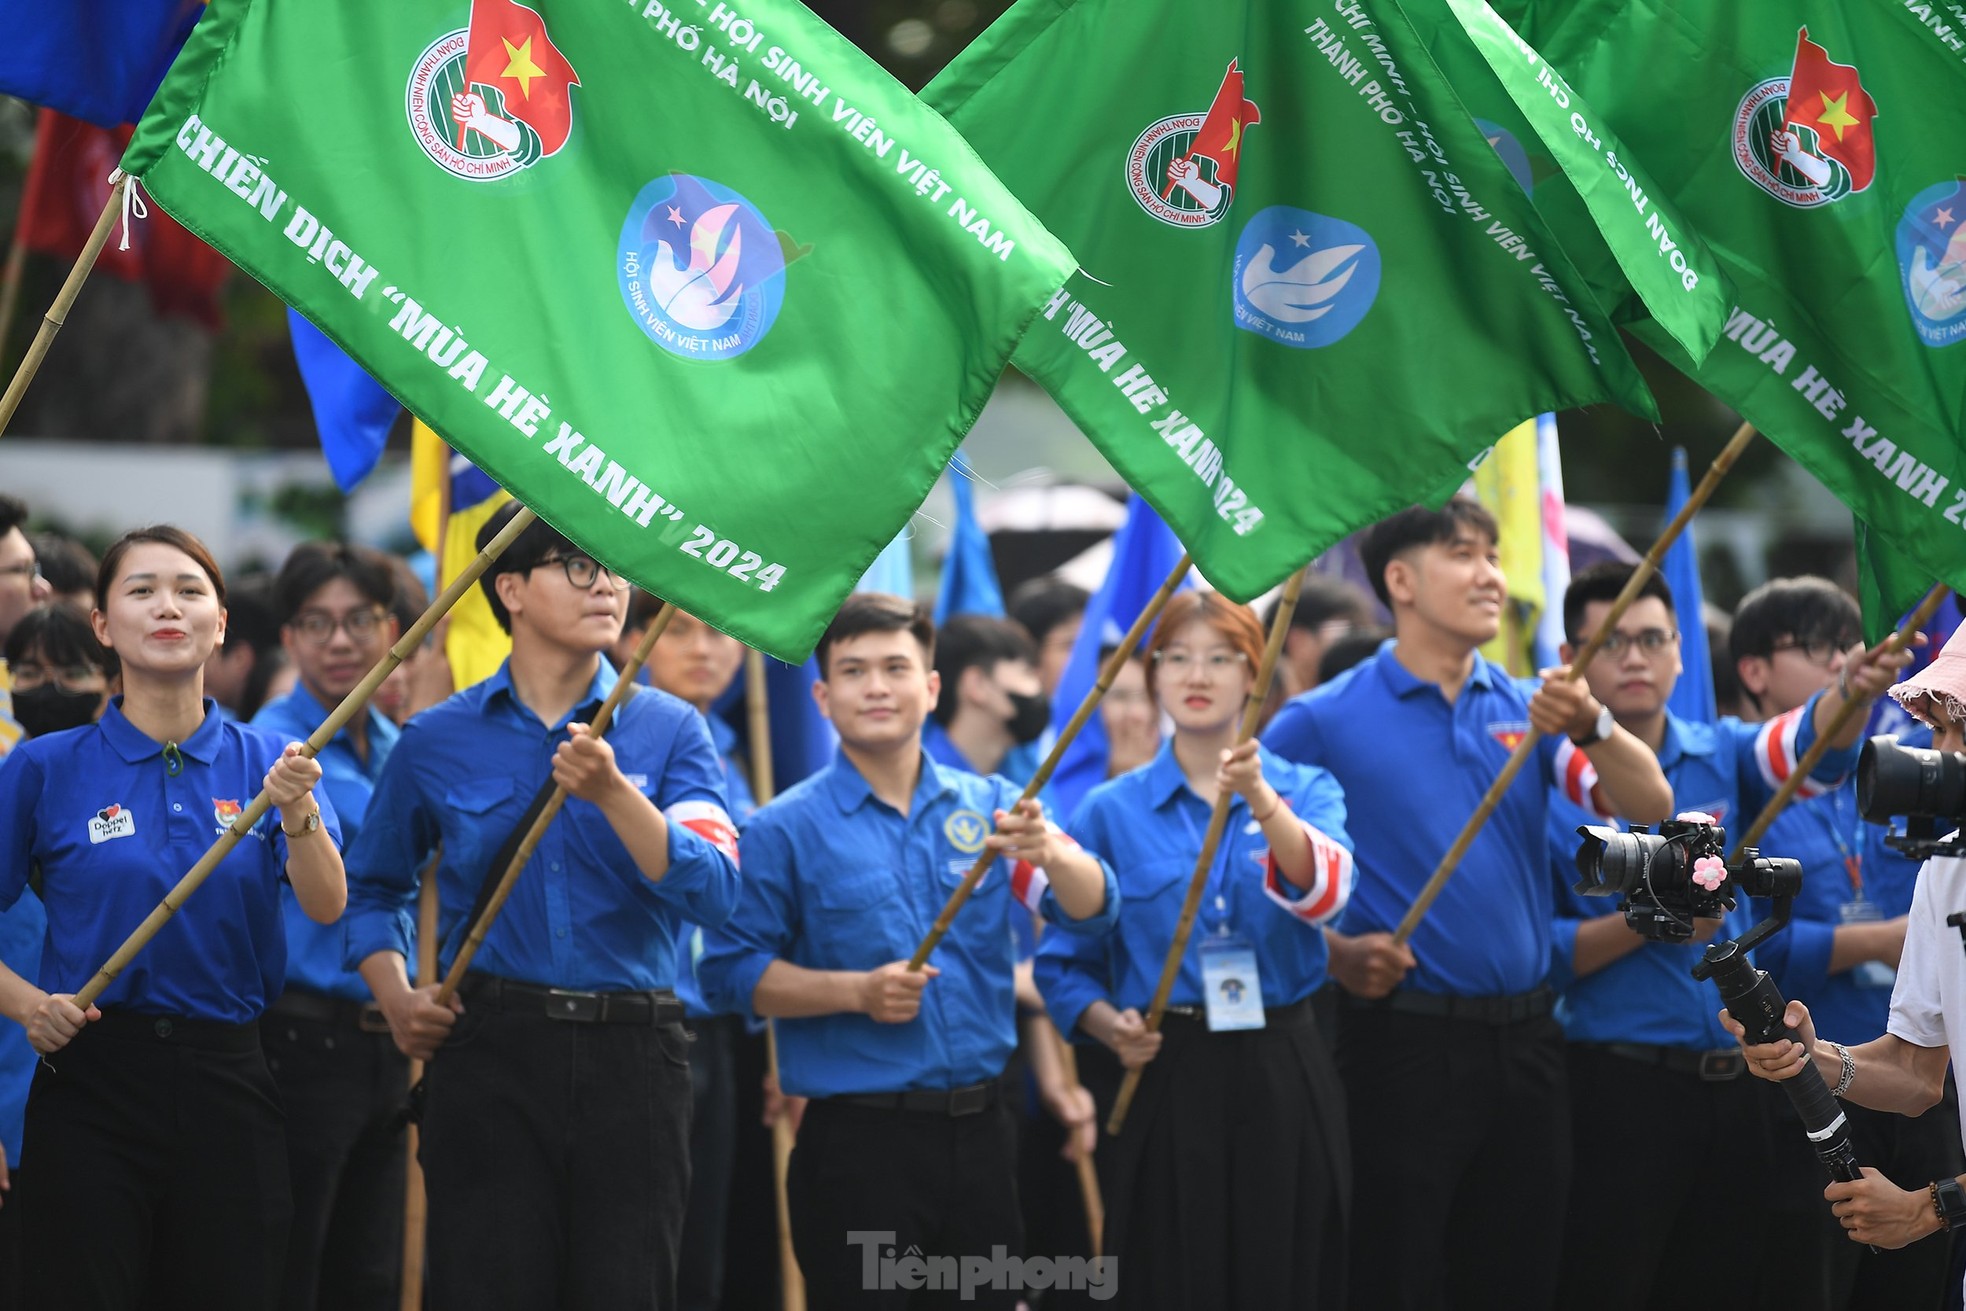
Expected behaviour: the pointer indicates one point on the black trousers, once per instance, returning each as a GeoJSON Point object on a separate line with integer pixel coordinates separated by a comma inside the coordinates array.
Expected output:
{"type": "Point", "coordinates": [159, 1175]}
{"type": "Point", "coordinates": [712, 1149]}
{"type": "Point", "coordinates": [556, 1161]}
{"type": "Point", "coordinates": [1460, 1159]}
{"type": "Point", "coordinates": [343, 1090]}
{"type": "Point", "coordinates": [944, 1186]}
{"type": "Point", "coordinates": [1660, 1158]}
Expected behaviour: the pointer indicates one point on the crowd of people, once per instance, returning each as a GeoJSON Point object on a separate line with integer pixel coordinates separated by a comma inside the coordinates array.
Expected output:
{"type": "Point", "coordinates": [1522, 1104]}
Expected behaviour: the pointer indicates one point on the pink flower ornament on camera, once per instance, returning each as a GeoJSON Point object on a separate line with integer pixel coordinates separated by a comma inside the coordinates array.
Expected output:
{"type": "Point", "coordinates": [1710, 872]}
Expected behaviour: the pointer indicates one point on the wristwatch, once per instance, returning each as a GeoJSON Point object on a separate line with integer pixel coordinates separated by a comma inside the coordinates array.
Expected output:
{"type": "Point", "coordinates": [312, 824]}
{"type": "Point", "coordinates": [1949, 1200]}
{"type": "Point", "coordinates": [1599, 731]}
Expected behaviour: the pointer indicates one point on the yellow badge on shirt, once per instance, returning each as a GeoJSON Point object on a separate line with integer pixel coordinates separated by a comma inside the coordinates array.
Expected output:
{"type": "Point", "coordinates": [966, 831]}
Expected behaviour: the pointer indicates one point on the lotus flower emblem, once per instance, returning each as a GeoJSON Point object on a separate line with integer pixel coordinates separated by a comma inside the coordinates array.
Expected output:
{"type": "Point", "coordinates": [702, 294]}
{"type": "Point", "coordinates": [1938, 290]}
{"type": "Point", "coordinates": [1304, 291]}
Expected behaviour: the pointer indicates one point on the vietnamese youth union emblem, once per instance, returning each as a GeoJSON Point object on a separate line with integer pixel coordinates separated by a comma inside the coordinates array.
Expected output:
{"type": "Point", "coordinates": [1932, 262]}
{"type": "Point", "coordinates": [1182, 169]}
{"type": "Point", "coordinates": [1806, 138]}
{"type": "Point", "coordinates": [701, 270]}
{"type": "Point", "coordinates": [493, 98]}
{"type": "Point", "coordinates": [1303, 279]}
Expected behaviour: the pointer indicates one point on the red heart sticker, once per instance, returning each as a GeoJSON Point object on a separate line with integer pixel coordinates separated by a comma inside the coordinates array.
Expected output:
{"type": "Point", "coordinates": [112, 812]}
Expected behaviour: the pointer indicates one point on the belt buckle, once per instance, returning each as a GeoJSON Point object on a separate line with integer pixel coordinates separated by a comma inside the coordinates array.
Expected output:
{"type": "Point", "coordinates": [973, 1100]}
{"type": "Point", "coordinates": [372, 1020]}
{"type": "Point", "coordinates": [1720, 1065]}
{"type": "Point", "coordinates": [579, 1007]}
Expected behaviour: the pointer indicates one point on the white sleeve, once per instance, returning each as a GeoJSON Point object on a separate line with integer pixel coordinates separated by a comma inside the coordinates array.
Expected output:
{"type": "Point", "coordinates": [1916, 1016]}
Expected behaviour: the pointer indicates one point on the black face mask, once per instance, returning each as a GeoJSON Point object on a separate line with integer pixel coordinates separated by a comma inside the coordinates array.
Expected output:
{"type": "Point", "coordinates": [1030, 716]}
{"type": "Point", "coordinates": [50, 708]}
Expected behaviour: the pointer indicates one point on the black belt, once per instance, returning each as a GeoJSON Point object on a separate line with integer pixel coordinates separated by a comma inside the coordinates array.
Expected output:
{"type": "Point", "coordinates": [1274, 1017]}
{"type": "Point", "coordinates": [658, 1007]}
{"type": "Point", "coordinates": [340, 1011]}
{"type": "Point", "coordinates": [1482, 1010]}
{"type": "Point", "coordinates": [950, 1102]}
{"type": "Point", "coordinates": [1716, 1066]}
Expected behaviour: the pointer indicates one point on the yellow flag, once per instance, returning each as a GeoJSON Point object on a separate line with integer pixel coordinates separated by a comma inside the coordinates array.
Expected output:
{"type": "Point", "coordinates": [1507, 483]}
{"type": "Point", "coordinates": [476, 645]}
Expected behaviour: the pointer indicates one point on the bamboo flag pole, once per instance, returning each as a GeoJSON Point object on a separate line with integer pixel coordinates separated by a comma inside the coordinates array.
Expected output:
{"type": "Point", "coordinates": [757, 706]}
{"type": "Point", "coordinates": [1897, 641]}
{"type": "Point", "coordinates": [1218, 821]}
{"type": "Point", "coordinates": [333, 724]}
{"type": "Point", "coordinates": [1107, 673]}
{"type": "Point", "coordinates": [415, 1203]}
{"type": "Point", "coordinates": [1095, 1204]}
{"type": "Point", "coordinates": [1527, 746]}
{"type": "Point", "coordinates": [71, 287]}
{"type": "Point", "coordinates": [623, 686]}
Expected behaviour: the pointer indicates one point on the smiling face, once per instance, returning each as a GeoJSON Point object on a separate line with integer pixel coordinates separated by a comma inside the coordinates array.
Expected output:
{"type": "Point", "coordinates": [877, 690]}
{"type": "Point", "coordinates": [162, 615]}
{"type": "Point", "coordinates": [335, 638]}
{"type": "Point", "coordinates": [1455, 587]}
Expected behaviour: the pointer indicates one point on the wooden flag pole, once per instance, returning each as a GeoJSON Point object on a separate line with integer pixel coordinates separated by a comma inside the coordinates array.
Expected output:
{"type": "Point", "coordinates": [350, 706]}
{"type": "Point", "coordinates": [415, 1203]}
{"type": "Point", "coordinates": [1897, 641]}
{"type": "Point", "coordinates": [623, 686]}
{"type": "Point", "coordinates": [1527, 746]}
{"type": "Point", "coordinates": [757, 706]}
{"type": "Point", "coordinates": [1107, 673]}
{"type": "Point", "coordinates": [71, 287]}
{"type": "Point", "coordinates": [1095, 1203]}
{"type": "Point", "coordinates": [1218, 821]}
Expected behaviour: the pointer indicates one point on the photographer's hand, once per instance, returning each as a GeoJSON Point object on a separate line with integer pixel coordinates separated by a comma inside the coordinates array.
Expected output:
{"type": "Point", "coordinates": [1782, 1059]}
{"type": "Point", "coordinates": [1369, 965]}
{"type": "Point", "coordinates": [1876, 1211]}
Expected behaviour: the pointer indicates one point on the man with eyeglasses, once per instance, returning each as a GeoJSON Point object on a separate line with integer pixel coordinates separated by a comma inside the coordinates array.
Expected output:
{"type": "Point", "coordinates": [1839, 956]}
{"type": "Point", "coordinates": [21, 589]}
{"type": "Point", "coordinates": [1645, 1044]}
{"type": "Point", "coordinates": [341, 1079]}
{"type": "Point", "coordinates": [555, 1124]}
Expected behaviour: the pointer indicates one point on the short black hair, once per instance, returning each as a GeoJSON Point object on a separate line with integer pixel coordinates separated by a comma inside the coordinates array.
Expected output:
{"type": "Point", "coordinates": [1418, 526]}
{"type": "Point", "coordinates": [643, 607]}
{"type": "Point", "coordinates": [63, 638]}
{"type": "Point", "coordinates": [252, 617]}
{"type": "Point", "coordinates": [1804, 609]}
{"type": "Point", "coordinates": [1603, 581]}
{"type": "Point", "coordinates": [539, 540]}
{"type": "Point", "coordinates": [1323, 598]}
{"type": "Point", "coordinates": [976, 642]}
{"type": "Point", "coordinates": [878, 612]}
{"type": "Point", "coordinates": [13, 514]}
{"type": "Point", "coordinates": [313, 565]}
{"type": "Point", "coordinates": [411, 598]}
{"type": "Point", "coordinates": [1041, 604]}
{"type": "Point", "coordinates": [1344, 652]}
{"type": "Point", "coordinates": [65, 563]}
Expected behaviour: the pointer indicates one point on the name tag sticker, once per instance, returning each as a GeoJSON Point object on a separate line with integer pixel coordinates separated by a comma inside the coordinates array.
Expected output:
{"type": "Point", "coordinates": [1232, 989]}
{"type": "Point", "coordinates": [111, 822]}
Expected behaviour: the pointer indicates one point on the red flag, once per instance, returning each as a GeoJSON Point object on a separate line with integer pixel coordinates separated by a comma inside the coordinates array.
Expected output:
{"type": "Point", "coordinates": [67, 186]}
{"type": "Point", "coordinates": [1220, 137]}
{"type": "Point", "coordinates": [1830, 98]}
{"type": "Point", "coordinates": [509, 49]}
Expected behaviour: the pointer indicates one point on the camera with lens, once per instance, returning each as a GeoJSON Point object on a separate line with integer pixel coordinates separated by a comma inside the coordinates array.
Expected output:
{"type": "Point", "coordinates": [1927, 787]}
{"type": "Point", "coordinates": [1676, 876]}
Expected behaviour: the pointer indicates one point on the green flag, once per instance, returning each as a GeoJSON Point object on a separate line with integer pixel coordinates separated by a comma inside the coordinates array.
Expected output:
{"type": "Point", "coordinates": [1310, 290]}
{"type": "Point", "coordinates": [1816, 148]}
{"type": "Point", "coordinates": [703, 286]}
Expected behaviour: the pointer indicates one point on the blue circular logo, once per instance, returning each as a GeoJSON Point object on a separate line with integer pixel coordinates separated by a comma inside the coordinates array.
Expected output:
{"type": "Point", "coordinates": [1932, 261]}
{"type": "Point", "coordinates": [701, 270]}
{"type": "Point", "coordinates": [1303, 279]}
{"type": "Point", "coordinates": [1514, 157]}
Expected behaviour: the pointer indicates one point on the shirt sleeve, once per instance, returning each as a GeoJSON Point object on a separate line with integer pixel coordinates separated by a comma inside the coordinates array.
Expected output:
{"type": "Point", "coordinates": [703, 851]}
{"type": "Point", "coordinates": [1916, 1015]}
{"type": "Point", "coordinates": [1319, 805]}
{"type": "Point", "coordinates": [21, 780]}
{"type": "Point", "coordinates": [1295, 734]}
{"type": "Point", "coordinates": [1031, 885]}
{"type": "Point", "coordinates": [1575, 778]}
{"type": "Point", "coordinates": [1073, 970]}
{"type": "Point", "coordinates": [761, 928]}
{"type": "Point", "coordinates": [1768, 754]}
{"type": "Point", "coordinates": [385, 866]}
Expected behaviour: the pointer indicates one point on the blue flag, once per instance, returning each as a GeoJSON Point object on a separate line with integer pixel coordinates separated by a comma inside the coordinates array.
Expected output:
{"type": "Point", "coordinates": [351, 410]}
{"type": "Point", "coordinates": [802, 740]}
{"type": "Point", "coordinates": [1144, 553]}
{"type": "Point", "coordinates": [1692, 696]}
{"type": "Point", "coordinates": [98, 60]}
{"type": "Point", "coordinates": [969, 574]}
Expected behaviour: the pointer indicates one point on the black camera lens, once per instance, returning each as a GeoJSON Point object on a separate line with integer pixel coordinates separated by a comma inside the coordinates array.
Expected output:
{"type": "Point", "coordinates": [1611, 863]}
{"type": "Point", "coordinates": [1896, 780]}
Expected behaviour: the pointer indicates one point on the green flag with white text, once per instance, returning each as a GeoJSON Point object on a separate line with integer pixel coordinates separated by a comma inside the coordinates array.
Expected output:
{"type": "Point", "coordinates": [1310, 292]}
{"type": "Point", "coordinates": [703, 286]}
{"type": "Point", "coordinates": [1816, 147]}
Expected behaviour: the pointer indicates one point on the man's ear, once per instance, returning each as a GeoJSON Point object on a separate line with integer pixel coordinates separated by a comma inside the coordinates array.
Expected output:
{"type": "Point", "coordinates": [1753, 673]}
{"type": "Point", "coordinates": [510, 587]}
{"type": "Point", "coordinates": [1401, 580]}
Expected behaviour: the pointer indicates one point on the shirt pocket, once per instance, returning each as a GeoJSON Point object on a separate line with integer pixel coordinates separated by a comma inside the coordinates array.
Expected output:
{"type": "Point", "coordinates": [1150, 904]}
{"type": "Point", "coordinates": [479, 816]}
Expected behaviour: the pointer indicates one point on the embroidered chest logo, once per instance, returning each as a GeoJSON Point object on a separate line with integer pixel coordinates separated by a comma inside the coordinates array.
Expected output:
{"type": "Point", "coordinates": [1510, 735]}
{"type": "Point", "coordinates": [225, 812]}
{"type": "Point", "coordinates": [966, 831]}
{"type": "Point", "coordinates": [111, 822]}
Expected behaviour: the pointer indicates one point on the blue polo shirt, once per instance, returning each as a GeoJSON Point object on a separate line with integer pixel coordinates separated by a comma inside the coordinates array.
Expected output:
{"type": "Point", "coordinates": [743, 804]}
{"type": "Point", "coordinates": [111, 829]}
{"type": "Point", "coordinates": [580, 914]}
{"type": "Point", "coordinates": [1148, 825]}
{"type": "Point", "coordinates": [1728, 770]}
{"type": "Point", "coordinates": [1413, 768]}
{"type": "Point", "coordinates": [22, 929]}
{"type": "Point", "coordinates": [837, 879]}
{"type": "Point", "coordinates": [314, 950]}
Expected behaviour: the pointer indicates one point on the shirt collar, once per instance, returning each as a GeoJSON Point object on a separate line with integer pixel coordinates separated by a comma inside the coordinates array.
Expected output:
{"type": "Point", "coordinates": [851, 790]}
{"type": "Point", "coordinates": [382, 731]}
{"type": "Point", "coordinates": [137, 746]}
{"type": "Point", "coordinates": [1402, 682]}
{"type": "Point", "coordinates": [1684, 738]}
{"type": "Point", "coordinates": [722, 736]}
{"type": "Point", "coordinates": [1165, 778]}
{"type": "Point", "coordinates": [500, 685]}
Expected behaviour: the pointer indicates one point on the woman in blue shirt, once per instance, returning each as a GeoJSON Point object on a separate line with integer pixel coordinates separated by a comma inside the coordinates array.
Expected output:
{"type": "Point", "coordinates": [160, 1164]}
{"type": "Point", "coordinates": [1227, 1187]}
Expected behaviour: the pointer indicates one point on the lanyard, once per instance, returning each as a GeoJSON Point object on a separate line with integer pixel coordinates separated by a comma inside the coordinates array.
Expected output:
{"type": "Point", "coordinates": [1852, 851]}
{"type": "Point", "coordinates": [1212, 891]}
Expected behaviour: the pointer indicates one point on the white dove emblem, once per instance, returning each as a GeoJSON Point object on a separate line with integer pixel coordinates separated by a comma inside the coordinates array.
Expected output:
{"type": "Point", "coordinates": [1938, 288]}
{"type": "Point", "coordinates": [1302, 292]}
{"type": "Point", "coordinates": [699, 295]}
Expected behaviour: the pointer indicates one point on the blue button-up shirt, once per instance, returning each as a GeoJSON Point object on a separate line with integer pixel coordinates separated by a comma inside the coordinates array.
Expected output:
{"type": "Point", "coordinates": [314, 950]}
{"type": "Point", "coordinates": [837, 879]}
{"type": "Point", "coordinates": [1019, 764]}
{"type": "Point", "coordinates": [1148, 825]}
{"type": "Point", "coordinates": [1728, 770]}
{"type": "Point", "coordinates": [580, 915]}
{"type": "Point", "coordinates": [1414, 767]}
{"type": "Point", "coordinates": [743, 804]}
{"type": "Point", "coordinates": [111, 829]}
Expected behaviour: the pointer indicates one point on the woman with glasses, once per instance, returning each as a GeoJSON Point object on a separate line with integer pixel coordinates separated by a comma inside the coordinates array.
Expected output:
{"type": "Point", "coordinates": [157, 1166]}
{"type": "Point", "coordinates": [1227, 1187]}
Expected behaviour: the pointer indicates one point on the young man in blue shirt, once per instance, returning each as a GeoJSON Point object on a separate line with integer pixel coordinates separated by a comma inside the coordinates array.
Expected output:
{"type": "Point", "coordinates": [341, 1079]}
{"type": "Point", "coordinates": [555, 1130]}
{"type": "Point", "coordinates": [991, 710]}
{"type": "Point", "coordinates": [905, 1143]}
{"type": "Point", "coordinates": [1452, 1062]}
{"type": "Point", "coordinates": [1645, 1042]}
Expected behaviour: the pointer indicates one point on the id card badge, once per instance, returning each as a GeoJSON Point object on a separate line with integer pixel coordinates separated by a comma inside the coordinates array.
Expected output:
{"type": "Point", "coordinates": [1870, 973]}
{"type": "Point", "coordinates": [1231, 987]}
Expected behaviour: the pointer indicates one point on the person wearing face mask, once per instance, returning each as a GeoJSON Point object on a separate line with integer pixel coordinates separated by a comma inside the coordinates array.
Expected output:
{"type": "Point", "coordinates": [992, 709]}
